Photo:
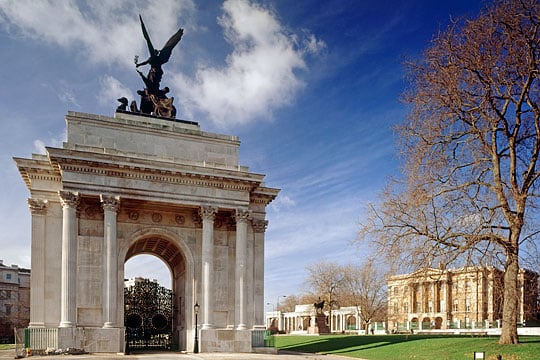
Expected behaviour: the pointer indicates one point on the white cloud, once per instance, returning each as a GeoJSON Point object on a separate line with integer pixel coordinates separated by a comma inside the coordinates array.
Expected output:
{"type": "Point", "coordinates": [112, 88]}
{"type": "Point", "coordinates": [259, 75]}
{"type": "Point", "coordinates": [314, 45]}
{"type": "Point", "coordinates": [102, 33]}
{"type": "Point", "coordinates": [53, 141]}
{"type": "Point", "coordinates": [282, 201]}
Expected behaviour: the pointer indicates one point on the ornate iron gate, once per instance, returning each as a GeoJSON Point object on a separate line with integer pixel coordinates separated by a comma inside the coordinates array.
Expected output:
{"type": "Point", "coordinates": [148, 316]}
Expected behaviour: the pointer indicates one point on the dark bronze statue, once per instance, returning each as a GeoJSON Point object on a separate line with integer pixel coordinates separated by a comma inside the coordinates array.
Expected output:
{"type": "Point", "coordinates": [123, 104]}
{"type": "Point", "coordinates": [157, 58]}
{"type": "Point", "coordinates": [153, 99]}
{"type": "Point", "coordinates": [319, 306]}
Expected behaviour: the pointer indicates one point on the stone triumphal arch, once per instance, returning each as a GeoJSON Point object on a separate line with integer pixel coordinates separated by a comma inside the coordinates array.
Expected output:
{"type": "Point", "coordinates": [133, 184]}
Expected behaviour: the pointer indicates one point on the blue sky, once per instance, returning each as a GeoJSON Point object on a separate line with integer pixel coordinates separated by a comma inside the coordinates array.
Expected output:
{"type": "Point", "coordinates": [311, 88]}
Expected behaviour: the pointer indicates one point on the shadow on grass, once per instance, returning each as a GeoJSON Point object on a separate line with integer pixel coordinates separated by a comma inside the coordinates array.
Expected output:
{"type": "Point", "coordinates": [333, 343]}
{"type": "Point", "coordinates": [337, 344]}
{"type": "Point", "coordinates": [356, 345]}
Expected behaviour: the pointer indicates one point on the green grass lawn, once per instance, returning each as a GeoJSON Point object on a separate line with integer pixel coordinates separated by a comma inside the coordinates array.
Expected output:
{"type": "Point", "coordinates": [6, 346]}
{"type": "Point", "coordinates": [385, 347]}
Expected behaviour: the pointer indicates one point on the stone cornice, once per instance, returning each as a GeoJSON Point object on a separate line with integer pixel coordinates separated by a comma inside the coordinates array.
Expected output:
{"type": "Point", "coordinates": [36, 169]}
{"type": "Point", "coordinates": [263, 195]}
{"type": "Point", "coordinates": [140, 169]}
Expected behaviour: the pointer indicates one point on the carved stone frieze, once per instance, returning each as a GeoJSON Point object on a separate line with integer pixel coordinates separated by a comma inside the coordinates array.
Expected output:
{"type": "Point", "coordinates": [91, 211]}
{"type": "Point", "coordinates": [157, 217]}
{"type": "Point", "coordinates": [133, 215]}
{"type": "Point", "coordinates": [180, 219]}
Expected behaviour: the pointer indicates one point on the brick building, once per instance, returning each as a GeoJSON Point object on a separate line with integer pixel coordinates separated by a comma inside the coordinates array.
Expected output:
{"type": "Point", "coordinates": [14, 300]}
{"type": "Point", "coordinates": [458, 298]}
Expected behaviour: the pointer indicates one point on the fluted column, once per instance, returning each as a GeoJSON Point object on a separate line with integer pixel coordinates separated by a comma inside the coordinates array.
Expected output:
{"type": "Point", "coordinates": [110, 271]}
{"type": "Point", "coordinates": [38, 209]}
{"type": "Point", "coordinates": [208, 214]}
{"type": "Point", "coordinates": [68, 290]}
{"type": "Point", "coordinates": [242, 217]}
{"type": "Point", "coordinates": [259, 228]}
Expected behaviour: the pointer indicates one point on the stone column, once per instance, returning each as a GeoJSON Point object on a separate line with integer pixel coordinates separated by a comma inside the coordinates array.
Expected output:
{"type": "Point", "coordinates": [110, 268]}
{"type": "Point", "coordinates": [259, 227]}
{"type": "Point", "coordinates": [242, 217]}
{"type": "Point", "coordinates": [38, 209]}
{"type": "Point", "coordinates": [208, 214]}
{"type": "Point", "coordinates": [68, 291]}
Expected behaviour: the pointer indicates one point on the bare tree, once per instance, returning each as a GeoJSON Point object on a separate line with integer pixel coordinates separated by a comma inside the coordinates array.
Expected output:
{"type": "Point", "coordinates": [326, 280]}
{"type": "Point", "coordinates": [288, 303]}
{"type": "Point", "coordinates": [470, 147]}
{"type": "Point", "coordinates": [365, 288]}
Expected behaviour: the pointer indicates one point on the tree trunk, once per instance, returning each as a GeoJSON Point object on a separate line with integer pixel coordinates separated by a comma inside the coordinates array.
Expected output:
{"type": "Point", "coordinates": [510, 302]}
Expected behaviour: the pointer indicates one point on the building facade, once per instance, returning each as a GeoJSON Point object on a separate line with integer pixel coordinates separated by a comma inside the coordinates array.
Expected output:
{"type": "Point", "coordinates": [467, 297]}
{"type": "Point", "coordinates": [133, 184]}
{"type": "Point", "coordinates": [14, 300]}
{"type": "Point", "coordinates": [303, 319]}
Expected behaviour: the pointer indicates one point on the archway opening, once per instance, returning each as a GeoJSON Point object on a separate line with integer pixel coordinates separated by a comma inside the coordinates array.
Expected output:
{"type": "Point", "coordinates": [154, 295]}
{"type": "Point", "coordinates": [148, 266]}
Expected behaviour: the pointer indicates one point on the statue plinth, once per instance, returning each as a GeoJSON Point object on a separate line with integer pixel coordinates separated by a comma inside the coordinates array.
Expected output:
{"type": "Point", "coordinates": [318, 325]}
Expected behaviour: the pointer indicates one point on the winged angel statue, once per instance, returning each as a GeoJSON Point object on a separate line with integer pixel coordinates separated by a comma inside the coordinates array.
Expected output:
{"type": "Point", "coordinates": [153, 99]}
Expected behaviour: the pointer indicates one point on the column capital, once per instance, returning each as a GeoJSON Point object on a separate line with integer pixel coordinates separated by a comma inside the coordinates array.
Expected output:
{"type": "Point", "coordinates": [69, 199]}
{"type": "Point", "coordinates": [110, 202]}
{"type": "Point", "coordinates": [242, 215]}
{"type": "Point", "coordinates": [208, 212]}
{"type": "Point", "coordinates": [37, 206]}
{"type": "Point", "coordinates": [259, 225]}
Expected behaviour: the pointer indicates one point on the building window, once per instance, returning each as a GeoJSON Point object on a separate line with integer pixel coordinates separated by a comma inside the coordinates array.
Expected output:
{"type": "Point", "coordinates": [8, 276]}
{"type": "Point", "coordinates": [456, 305]}
{"type": "Point", "coordinates": [430, 306]}
{"type": "Point", "coordinates": [395, 290]}
{"type": "Point", "coordinates": [8, 309]}
{"type": "Point", "coordinates": [406, 307]}
{"type": "Point", "coordinates": [467, 305]}
{"type": "Point", "coordinates": [395, 308]}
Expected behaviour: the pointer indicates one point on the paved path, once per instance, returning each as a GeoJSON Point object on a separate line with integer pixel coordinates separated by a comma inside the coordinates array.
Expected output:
{"type": "Point", "coordinates": [282, 355]}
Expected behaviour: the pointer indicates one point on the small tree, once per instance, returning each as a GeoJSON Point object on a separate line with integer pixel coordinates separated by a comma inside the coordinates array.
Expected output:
{"type": "Point", "coordinates": [326, 280]}
{"type": "Point", "coordinates": [471, 146]}
{"type": "Point", "coordinates": [366, 289]}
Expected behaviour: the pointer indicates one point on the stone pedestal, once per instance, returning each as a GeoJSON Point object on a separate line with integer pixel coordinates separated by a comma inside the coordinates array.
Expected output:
{"type": "Point", "coordinates": [225, 340]}
{"type": "Point", "coordinates": [320, 326]}
{"type": "Point", "coordinates": [109, 340]}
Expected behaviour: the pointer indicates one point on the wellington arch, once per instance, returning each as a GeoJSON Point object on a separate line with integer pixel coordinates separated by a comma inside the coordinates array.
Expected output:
{"type": "Point", "coordinates": [136, 184]}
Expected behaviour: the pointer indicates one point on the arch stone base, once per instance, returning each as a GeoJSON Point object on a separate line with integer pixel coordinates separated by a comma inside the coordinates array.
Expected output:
{"type": "Point", "coordinates": [225, 340]}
